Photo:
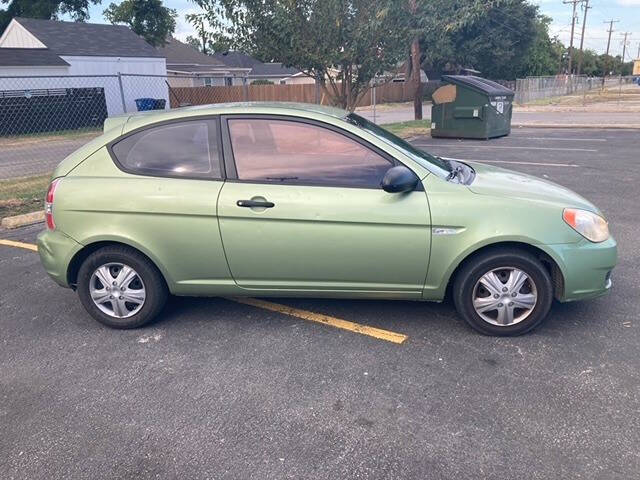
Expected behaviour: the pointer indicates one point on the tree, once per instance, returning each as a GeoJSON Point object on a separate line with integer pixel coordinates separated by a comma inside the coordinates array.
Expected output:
{"type": "Point", "coordinates": [47, 9]}
{"type": "Point", "coordinates": [211, 35]}
{"type": "Point", "coordinates": [195, 42]}
{"type": "Point", "coordinates": [545, 54]}
{"type": "Point", "coordinates": [343, 44]}
{"type": "Point", "coordinates": [432, 26]}
{"type": "Point", "coordinates": [148, 18]}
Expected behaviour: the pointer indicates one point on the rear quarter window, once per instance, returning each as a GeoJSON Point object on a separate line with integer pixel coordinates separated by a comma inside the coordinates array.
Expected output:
{"type": "Point", "coordinates": [184, 149]}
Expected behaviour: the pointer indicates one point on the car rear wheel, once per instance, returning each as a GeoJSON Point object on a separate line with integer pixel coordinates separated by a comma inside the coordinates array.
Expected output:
{"type": "Point", "coordinates": [120, 287]}
{"type": "Point", "coordinates": [503, 292]}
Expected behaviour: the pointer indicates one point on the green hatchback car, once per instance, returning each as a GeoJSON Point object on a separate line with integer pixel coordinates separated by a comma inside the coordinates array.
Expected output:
{"type": "Point", "coordinates": [294, 200]}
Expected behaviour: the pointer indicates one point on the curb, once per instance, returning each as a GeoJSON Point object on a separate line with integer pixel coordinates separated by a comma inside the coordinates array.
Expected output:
{"type": "Point", "coordinates": [22, 220]}
{"type": "Point", "coordinates": [617, 126]}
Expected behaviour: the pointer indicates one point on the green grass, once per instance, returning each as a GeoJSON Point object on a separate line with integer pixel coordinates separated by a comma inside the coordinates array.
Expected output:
{"type": "Point", "coordinates": [410, 128]}
{"type": "Point", "coordinates": [23, 195]}
{"type": "Point", "coordinates": [26, 138]}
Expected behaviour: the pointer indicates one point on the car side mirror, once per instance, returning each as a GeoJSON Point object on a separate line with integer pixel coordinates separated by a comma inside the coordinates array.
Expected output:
{"type": "Point", "coordinates": [399, 179]}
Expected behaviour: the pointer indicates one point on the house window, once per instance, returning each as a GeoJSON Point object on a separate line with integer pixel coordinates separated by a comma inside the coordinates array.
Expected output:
{"type": "Point", "coordinates": [208, 81]}
{"type": "Point", "coordinates": [228, 81]}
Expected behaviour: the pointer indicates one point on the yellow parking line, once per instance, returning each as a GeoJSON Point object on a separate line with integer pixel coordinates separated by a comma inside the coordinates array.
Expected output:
{"type": "Point", "coordinates": [325, 319]}
{"type": "Point", "coordinates": [11, 243]}
{"type": "Point", "coordinates": [378, 333]}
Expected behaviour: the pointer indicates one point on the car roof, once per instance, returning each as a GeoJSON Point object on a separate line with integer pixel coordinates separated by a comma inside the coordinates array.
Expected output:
{"type": "Point", "coordinates": [251, 107]}
{"type": "Point", "coordinates": [138, 119]}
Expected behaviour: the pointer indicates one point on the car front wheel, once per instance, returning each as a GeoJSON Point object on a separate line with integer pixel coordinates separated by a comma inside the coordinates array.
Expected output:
{"type": "Point", "coordinates": [120, 287]}
{"type": "Point", "coordinates": [503, 292]}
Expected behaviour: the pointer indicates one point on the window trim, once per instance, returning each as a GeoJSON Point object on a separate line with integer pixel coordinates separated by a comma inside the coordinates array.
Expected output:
{"type": "Point", "coordinates": [213, 127]}
{"type": "Point", "coordinates": [230, 163]}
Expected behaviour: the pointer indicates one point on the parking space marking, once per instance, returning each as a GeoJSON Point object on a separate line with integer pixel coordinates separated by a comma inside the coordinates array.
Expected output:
{"type": "Point", "coordinates": [564, 139]}
{"type": "Point", "coordinates": [378, 333]}
{"type": "Point", "coordinates": [514, 162]}
{"type": "Point", "coordinates": [529, 163]}
{"type": "Point", "coordinates": [324, 319]}
{"type": "Point", "coordinates": [456, 145]}
{"type": "Point", "coordinates": [11, 243]}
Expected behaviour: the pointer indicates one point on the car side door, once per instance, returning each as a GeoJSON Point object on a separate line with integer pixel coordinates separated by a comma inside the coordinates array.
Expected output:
{"type": "Point", "coordinates": [302, 210]}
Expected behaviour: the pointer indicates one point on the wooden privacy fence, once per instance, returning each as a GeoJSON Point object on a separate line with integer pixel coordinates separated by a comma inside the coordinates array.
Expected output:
{"type": "Point", "coordinates": [304, 93]}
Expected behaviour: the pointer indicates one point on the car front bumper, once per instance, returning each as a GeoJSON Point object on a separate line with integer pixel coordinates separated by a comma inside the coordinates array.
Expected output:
{"type": "Point", "coordinates": [56, 251]}
{"type": "Point", "coordinates": [586, 268]}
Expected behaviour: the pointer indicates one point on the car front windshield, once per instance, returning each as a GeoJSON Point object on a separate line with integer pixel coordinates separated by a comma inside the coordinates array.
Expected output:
{"type": "Point", "coordinates": [437, 165]}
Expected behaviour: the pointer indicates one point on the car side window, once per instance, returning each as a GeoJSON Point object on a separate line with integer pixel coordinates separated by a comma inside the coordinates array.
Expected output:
{"type": "Point", "coordinates": [287, 151]}
{"type": "Point", "coordinates": [182, 149]}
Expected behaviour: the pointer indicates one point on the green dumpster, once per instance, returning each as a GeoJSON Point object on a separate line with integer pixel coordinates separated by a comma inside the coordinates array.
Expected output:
{"type": "Point", "coordinates": [471, 107]}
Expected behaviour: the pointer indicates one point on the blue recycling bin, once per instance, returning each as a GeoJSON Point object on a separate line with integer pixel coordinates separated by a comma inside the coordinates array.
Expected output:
{"type": "Point", "coordinates": [143, 104]}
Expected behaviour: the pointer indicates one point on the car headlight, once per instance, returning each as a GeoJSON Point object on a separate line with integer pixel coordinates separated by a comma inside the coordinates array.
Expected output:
{"type": "Point", "coordinates": [588, 224]}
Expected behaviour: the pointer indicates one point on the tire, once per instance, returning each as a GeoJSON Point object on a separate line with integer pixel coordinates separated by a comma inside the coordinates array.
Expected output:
{"type": "Point", "coordinates": [138, 297]}
{"type": "Point", "coordinates": [475, 298]}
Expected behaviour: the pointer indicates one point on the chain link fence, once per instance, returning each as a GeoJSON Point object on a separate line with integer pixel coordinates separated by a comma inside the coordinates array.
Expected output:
{"type": "Point", "coordinates": [43, 119]}
{"type": "Point", "coordinates": [531, 89]}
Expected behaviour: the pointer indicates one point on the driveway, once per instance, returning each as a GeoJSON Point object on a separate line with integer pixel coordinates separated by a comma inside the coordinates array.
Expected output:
{"type": "Point", "coordinates": [226, 390]}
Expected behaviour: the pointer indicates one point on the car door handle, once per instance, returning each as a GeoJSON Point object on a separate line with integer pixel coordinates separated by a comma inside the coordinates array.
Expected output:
{"type": "Point", "coordinates": [255, 204]}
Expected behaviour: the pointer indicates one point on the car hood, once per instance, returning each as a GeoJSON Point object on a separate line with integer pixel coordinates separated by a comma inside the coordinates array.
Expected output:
{"type": "Point", "coordinates": [496, 181]}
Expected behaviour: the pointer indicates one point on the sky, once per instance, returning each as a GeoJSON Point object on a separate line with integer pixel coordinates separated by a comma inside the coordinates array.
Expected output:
{"type": "Point", "coordinates": [627, 11]}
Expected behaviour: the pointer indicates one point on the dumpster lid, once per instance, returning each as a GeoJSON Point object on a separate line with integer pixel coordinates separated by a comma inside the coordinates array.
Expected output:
{"type": "Point", "coordinates": [479, 84]}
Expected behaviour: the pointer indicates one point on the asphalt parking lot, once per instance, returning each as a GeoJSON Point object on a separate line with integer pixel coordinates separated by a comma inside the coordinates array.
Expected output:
{"type": "Point", "coordinates": [223, 390]}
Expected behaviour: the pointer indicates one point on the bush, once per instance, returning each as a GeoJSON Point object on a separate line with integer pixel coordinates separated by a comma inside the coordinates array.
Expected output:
{"type": "Point", "coordinates": [262, 82]}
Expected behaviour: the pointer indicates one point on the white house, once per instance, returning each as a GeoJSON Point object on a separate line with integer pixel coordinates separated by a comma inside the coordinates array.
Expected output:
{"type": "Point", "coordinates": [81, 55]}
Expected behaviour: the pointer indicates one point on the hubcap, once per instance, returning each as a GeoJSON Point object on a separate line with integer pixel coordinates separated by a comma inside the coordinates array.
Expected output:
{"type": "Point", "coordinates": [504, 296]}
{"type": "Point", "coordinates": [117, 290]}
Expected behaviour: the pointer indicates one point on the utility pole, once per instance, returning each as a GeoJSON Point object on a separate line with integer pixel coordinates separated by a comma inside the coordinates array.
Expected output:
{"type": "Point", "coordinates": [584, 23]}
{"type": "Point", "coordinates": [624, 51]}
{"type": "Point", "coordinates": [573, 26]}
{"type": "Point", "coordinates": [610, 22]}
{"type": "Point", "coordinates": [415, 62]}
{"type": "Point", "coordinates": [624, 44]}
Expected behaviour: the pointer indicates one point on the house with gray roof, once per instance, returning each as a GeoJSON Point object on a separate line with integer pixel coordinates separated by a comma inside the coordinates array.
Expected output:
{"type": "Point", "coordinates": [272, 71]}
{"type": "Point", "coordinates": [80, 55]}
{"type": "Point", "coordinates": [188, 67]}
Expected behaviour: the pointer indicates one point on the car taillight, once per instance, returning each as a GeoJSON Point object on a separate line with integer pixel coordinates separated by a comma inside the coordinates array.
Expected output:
{"type": "Point", "coordinates": [48, 204]}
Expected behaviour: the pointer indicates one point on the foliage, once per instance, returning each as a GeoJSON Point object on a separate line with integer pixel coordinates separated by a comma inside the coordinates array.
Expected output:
{"type": "Point", "coordinates": [343, 44]}
{"type": "Point", "coordinates": [211, 32]}
{"type": "Point", "coordinates": [262, 81]}
{"type": "Point", "coordinates": [195, 42]}
{"type": "Point", "coordinates": [148, 18]}
{"type": "Point", "coordinates": [46, 9]}
{"type": "Point", "coordinates": [498, 38]}
{"type": "Point", "coordinates": [544, 56]}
